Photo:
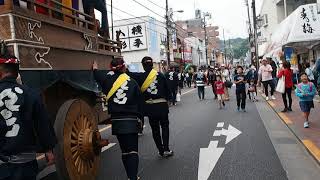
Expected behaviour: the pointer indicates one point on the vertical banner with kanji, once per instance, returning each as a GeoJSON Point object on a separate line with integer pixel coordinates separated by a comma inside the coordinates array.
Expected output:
{"type": "Point", "coordinates": [132, 37]}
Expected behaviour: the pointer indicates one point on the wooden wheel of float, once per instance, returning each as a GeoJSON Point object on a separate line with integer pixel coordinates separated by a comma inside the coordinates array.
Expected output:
{"type": "Point", "coordinates": [78, 150]}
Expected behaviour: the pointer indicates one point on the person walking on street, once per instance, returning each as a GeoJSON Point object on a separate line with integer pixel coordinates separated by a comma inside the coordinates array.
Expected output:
{"type": "Point", "coordinates": [189, 79]}
{"type": "Point", "coordinates": [252, 91]}
{"type": "Point", "coordinates": [252, 77]}
{"type": "Point", "coordinates": [274, 71]}
{"type": "Point", "coordinates": [305, 91]}
{"type": "Point", "coordinates": [225, 77]}
{"type": "Point", "coordinates": [125, 103]}
{"type": "Point", "coordinates": [265, 71]}
{"type": "Point", "coordinates": [172, 79]}
{"type": "Point", "coordinates": [219, 89]}
{"type": "Point", "coordinates": [181, 78]}
{"type": "Point", "coordinates": [25, 127]}
{"type": "Point", "coordinates": [240, 81]}
{"type": "Point", "coordinates": [310, 74]}
{"type": "Point", "coordinates": [200, 80]}
{"type": "Point", "coordinates": [212, 78]}
{"type": "Point", "coordinates": [156, 95]}
{"type": "Point", "coordinates": [288, 74]}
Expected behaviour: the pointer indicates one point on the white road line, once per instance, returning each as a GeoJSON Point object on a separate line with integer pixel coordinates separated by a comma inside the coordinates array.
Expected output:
{"type": "Point", "coordinates": [192, 90]}
{"type": "Point", "coordinates": [187, 92]}
{"type": "Point", "coordinates": [108, 147]}
{"type": "Point", "coordinates": [105, 128]}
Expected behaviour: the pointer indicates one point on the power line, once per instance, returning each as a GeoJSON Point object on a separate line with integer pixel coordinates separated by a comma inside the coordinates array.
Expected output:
{"type": "Point", "coordinates": [161, 25]}
{"type": "Point", "coordinates": [148, 8]}
{"type": "Point", "coordinates": [147, 22]}
{"type": "Point", "coordinates": [156, 4]}
{"type": "Point", "coordinates": [143, 21]}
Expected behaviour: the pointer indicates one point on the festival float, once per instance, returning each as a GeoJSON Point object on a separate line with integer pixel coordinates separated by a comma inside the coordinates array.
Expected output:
{"type": "Point", "coordinates": [56, 42]}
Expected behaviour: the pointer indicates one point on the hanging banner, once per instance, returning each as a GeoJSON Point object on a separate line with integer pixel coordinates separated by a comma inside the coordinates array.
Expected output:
{"type": "Point", "coordinates": [288, 52]}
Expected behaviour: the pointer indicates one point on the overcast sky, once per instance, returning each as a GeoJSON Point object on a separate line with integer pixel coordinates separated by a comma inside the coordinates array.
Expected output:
{"type": "Point", "coordinates": [228, 14]}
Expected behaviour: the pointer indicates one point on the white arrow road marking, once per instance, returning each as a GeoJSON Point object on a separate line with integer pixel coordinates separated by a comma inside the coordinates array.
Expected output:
{"type": "Point", "coordinates": [208, 159]}
{"type": "Point", "coordinates": [230, 133]}
{"type": "Point", "coordinates": [220, 124]}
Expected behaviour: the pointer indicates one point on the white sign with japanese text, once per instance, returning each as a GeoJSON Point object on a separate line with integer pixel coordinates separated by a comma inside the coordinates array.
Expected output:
{"type": "Point", "coordinates": [133, 37]}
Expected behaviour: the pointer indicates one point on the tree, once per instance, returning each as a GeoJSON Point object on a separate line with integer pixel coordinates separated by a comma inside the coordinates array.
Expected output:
{"type": "Point", "coordinates": [235, 48]}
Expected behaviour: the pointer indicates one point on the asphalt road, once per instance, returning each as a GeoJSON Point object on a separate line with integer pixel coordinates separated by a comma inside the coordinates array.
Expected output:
{"type": "Point", "coordinates": [249, 156]}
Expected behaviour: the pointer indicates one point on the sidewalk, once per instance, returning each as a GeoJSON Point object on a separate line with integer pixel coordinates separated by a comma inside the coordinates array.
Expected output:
{"type": "Point", "coordinates": [310, 137]}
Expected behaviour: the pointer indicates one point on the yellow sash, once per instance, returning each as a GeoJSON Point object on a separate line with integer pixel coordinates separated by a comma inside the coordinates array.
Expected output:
{"type": "Point", "coordinates": [117, 84]}
{"type": "Point", "coordinates": [151, 77]}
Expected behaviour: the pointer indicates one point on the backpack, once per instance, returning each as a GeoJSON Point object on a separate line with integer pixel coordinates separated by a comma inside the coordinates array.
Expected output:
{"type": "Point", "coordinates": [310, 87]}
{"type": "Point", "coordinates": [199, 76]}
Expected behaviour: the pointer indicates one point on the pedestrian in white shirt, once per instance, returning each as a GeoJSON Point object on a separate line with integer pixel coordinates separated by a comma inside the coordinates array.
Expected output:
{"type": "Point", "coordinates": [309, 73]}
{"type": "Point", "coordinates": [225, 74]}
{"type": "Point", "coordinates": [265, 71]}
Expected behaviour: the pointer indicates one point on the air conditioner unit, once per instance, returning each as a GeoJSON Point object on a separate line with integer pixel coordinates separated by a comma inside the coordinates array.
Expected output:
{"type": "Point", "coordinates": [265, 21]}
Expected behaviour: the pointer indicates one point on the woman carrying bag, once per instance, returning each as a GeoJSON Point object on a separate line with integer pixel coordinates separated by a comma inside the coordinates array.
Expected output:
{"type": "Point", "coordinates": [286, 74]}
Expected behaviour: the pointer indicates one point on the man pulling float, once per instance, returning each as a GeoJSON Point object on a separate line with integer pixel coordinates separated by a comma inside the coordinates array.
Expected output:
{"type": "Point", "coordinates": [25, 128]}
{"type": "Point", "coordinates": [156, 94]}
{"type": "Point", "coordinates": [125, 106]}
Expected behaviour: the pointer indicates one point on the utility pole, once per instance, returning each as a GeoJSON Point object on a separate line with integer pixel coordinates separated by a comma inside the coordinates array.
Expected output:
{"type": "Point", "coordinates": [112, 19]}
{"type": "Point", "coordinates": [255, 33]}
{"type": "Point", "coordinates": [225, 50]}
{"type": "Point", "coordinates": [250, 31]}
{"type": "Point", "coordinates": [205, 37]}
{"type": "Point", "coordinates": [231, 55]}
{"type": "Point", "coordinates": [168, 33]}
{"type": "Point", "coordinates": [249, 18]}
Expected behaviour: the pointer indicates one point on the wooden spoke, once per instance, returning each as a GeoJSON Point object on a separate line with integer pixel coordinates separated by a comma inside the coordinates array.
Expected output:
{"type": "Point", "coordinates": [76, 129]}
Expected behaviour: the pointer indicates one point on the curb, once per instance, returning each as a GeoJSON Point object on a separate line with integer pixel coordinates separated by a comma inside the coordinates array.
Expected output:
{"type": "Point", "coordinates": [287, 122]}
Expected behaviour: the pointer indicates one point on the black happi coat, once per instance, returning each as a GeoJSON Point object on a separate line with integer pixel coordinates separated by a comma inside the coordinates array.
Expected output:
{"type": "Point", "coordinates": [25, 126]}
{"type": "Point", "coordinates": [172, 79]}
{"type": "Point", "coordinates": [125, 105]}
{"type": "Point", "coordinates": [157, 90]}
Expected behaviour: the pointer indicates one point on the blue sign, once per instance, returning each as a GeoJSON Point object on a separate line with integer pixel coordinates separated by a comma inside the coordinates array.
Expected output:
{"type": "Point", "coordinates": [153, 49]}
{"type": "Point", "coordinates": [288, 52]}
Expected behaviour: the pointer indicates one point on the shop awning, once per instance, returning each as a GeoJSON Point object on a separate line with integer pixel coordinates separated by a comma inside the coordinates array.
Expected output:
{"type": "Point", "coordinates": [262, 49]}
{"type": "Point", "coordinates": [300, 29]}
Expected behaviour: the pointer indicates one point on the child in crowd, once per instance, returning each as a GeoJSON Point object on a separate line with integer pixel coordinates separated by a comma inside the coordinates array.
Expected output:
{"type": "Point", "coordinates": [306, 91]}
{"type": "Point", "coordinates": [219, 89]}
{"type": "Point", "coordinates": [252, 91]}
{"type": "Point", "coordinates": [240, 80]}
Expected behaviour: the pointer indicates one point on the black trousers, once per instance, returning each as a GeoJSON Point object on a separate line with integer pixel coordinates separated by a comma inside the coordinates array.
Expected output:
{"type": "Point", "coordinates": [173, 92]}
{"type": "Point", "coordinates": [201, 92]}
{"type": "Point", "coordinates": [287, 92]}
{"type": "Point", "coordinates": [160, 137]}
{"type": "Point", "coordinates": [130, 158]}
{"type": "Point", "coordinates": [241, 98]}
{"type": "Point", "coordinates": [266, 87]}
{"type": "Point", "coordinates": [25, 171]}
{"type": "Point", "coordinates": [189, 83]}
{"type": "Point", "coordinates": [100, 6]}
